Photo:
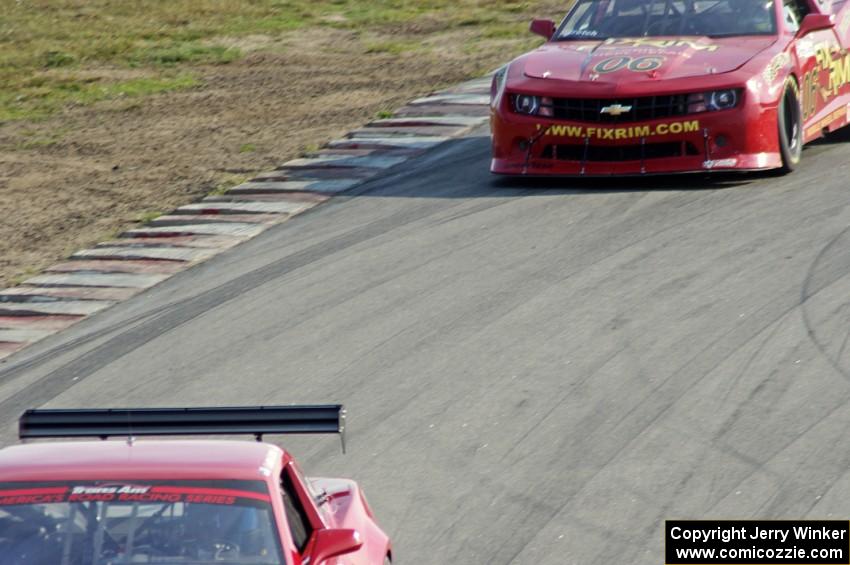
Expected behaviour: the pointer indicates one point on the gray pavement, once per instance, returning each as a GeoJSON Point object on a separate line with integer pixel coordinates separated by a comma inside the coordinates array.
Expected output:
{"type": "Point", "coordinates": [535, 372]}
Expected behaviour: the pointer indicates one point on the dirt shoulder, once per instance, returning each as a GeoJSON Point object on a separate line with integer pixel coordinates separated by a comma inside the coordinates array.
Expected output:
{"type": "Point", "coordinates": [90, 171]}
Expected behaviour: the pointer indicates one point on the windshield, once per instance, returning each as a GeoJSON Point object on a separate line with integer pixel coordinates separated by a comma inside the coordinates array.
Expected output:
{"type": "Point", "coordinates": [603, 19]}
{"type": "Point", "coordinates": [200, 523]}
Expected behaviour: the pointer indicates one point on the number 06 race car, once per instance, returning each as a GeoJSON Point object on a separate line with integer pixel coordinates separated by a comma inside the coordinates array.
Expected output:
{"type": "Point", "coordinates": [178, 502]}
{"type": "Point", "coordinates": [628, 87]}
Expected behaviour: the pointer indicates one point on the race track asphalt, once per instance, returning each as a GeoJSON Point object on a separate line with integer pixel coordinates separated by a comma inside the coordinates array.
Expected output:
{"type": "Point", "coordinates": [535, 372]}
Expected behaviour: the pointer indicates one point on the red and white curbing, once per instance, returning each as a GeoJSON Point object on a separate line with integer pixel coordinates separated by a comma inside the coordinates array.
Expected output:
{"type": "Point", "coordinates": [93, 279]}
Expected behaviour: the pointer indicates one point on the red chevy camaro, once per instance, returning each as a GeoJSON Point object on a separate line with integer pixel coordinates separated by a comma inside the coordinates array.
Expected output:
{"type": "Point", "coordinates": [178, 502]}
{"type": "Point", "coordinates": [629, 87]}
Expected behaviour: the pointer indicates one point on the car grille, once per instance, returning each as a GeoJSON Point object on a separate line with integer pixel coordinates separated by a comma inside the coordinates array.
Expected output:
{"type": "Point", "coordinates": [642, 108]}
{"type": "Point", "coordinates": [610, 153]}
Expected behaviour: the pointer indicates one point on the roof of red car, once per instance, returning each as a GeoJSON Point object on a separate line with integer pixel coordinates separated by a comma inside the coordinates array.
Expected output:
{"type": "Point", "coordinates": [108, 460]}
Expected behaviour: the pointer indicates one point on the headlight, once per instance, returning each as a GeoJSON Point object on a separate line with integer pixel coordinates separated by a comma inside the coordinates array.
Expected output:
{"type": "Point", "coordinates": [713, 101]}
{"type": "Point", "coordinates": [498, 83]}
{"type": "Point", "coordinates": [533, 105]}
{"type": "Point", "coordinates": [722, 100]}
{"type": "Point", "coordinates": [525, 104]}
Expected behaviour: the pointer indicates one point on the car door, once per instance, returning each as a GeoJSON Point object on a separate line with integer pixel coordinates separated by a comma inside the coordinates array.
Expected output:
{"type": "Point", "coordinates": [824, 68]}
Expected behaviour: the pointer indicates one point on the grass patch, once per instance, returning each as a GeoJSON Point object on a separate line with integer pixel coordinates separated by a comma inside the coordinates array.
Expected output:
{"type": "Point", "coordinates": [157, 36]}
{"type": "Point", "coordinates": [247, 148]}
{"type": "Point", "coordinates": [23, 276]}
{"type": "Point", "coordinates": [309, 149]}
{"type": "Point", "coordinates": [31, 140]}
{"type": "Point", "coordinates": [149, 216]}
{"type": "Point", "coordinates": [41, 97]}
{"type": "Point", "coordinates": [177, 53]}
{"type": "Point", "coordinates": [506, 31]}
{"type": "Point", "coordinates": [53, 59]}
{"type": "Point", "coordinates": [227, 182]}
{"type": "Point", "coordinates": [393, 47]}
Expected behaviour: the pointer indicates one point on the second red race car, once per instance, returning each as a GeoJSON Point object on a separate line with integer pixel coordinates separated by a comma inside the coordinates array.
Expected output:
{"type": "Point", "coordinates": [630, 87]}
{"type": "Point", "coordinates": [178, 502]}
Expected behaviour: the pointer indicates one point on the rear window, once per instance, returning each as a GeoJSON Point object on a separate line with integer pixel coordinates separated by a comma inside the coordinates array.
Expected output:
{"type": "Point", "coordinates": [104, 523]}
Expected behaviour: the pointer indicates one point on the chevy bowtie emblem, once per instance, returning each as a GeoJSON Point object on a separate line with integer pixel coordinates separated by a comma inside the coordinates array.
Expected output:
{"type": "Point", "coordinates": [615, 109]}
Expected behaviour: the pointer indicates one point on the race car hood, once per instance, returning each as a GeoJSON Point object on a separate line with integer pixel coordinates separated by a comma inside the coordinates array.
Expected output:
{"type": "Point", "coordinates": [642, 59]}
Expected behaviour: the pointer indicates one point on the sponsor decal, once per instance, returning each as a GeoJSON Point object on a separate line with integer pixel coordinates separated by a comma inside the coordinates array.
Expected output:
{"type": "Point", "coordinates": [719, 163]}
{"type": "Point", "coordinates": [127, 493]}
{"type": "Point", "coordinates": [824, 123]}
{"type": "Point", "coordinates": [582, 33]}
{"type": "Point", "coordinates": [828, 58]}
{"type": "Point", "coordinates": [837, 62]}
{"type": "Point", "coordinates": [658, 43]}
{"type": "Point", "coordinates": [779, 62]}
{"type": "Point", "coordinates": [33, 496]}
{"type": "Point", "coordinates": [615, 133]}
{"type": "Point", "coordinates": [637, 65]}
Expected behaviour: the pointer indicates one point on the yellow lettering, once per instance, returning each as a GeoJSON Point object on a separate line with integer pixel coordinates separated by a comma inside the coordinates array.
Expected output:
{"type": "Point", "coordinates": [661, 129]}
{"type": "Point", "coordinates": [691, 126]}
{"type": "Point", "coordinates": [839, 74]}
{"type": "Point", "coordinates": [621, 133]}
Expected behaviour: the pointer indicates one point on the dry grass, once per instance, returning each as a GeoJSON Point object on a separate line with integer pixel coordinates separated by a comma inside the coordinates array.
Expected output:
{"type": "Point", "coordinates": [48, 48]}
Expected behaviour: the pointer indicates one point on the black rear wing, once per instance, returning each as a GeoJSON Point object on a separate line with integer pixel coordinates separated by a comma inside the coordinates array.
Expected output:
{"type": "Point", "coordinates": [137, 422]}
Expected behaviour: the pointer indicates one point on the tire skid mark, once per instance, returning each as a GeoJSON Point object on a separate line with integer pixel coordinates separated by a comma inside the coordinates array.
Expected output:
{"type": "Point", "coordinates": [812, 286]}
{"type": "Point", "coordinates": [153, 325]}
{"type": "Point", "coordinates": [707, 360]}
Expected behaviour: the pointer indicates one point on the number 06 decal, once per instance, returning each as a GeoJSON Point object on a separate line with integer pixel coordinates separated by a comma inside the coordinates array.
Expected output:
{"type": "Point", "coordinates": [638, 65]}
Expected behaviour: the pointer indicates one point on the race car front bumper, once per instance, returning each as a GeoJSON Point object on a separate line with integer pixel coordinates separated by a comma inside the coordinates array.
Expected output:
{"type": "Point", "coordinates": [744, 138]}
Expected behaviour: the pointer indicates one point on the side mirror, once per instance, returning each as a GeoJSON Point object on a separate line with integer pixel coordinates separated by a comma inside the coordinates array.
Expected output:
{"type": "Point", "coordinates": [814, 22]}
{"type": "Point", "coordinates": [331, 543]}
{"type": "Point", "coordinates": [546, 28]}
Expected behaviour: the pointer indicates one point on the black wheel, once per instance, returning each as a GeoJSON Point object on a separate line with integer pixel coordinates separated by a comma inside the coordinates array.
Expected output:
{"type": "Point", "coordinates": [790, 120]}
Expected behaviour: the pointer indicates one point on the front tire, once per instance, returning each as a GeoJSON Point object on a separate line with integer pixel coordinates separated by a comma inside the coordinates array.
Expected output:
{"type": "Point", "coordinates": [790, 120]}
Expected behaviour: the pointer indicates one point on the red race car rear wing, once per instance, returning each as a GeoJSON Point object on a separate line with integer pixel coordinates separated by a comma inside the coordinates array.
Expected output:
{"type": "Point", "coordinates": [132, 422]}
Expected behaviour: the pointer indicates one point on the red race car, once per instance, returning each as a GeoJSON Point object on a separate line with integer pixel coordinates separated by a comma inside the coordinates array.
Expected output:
{"type": "Point", "coordinates": [628, 87]}
{"type": "Point", "coordinates": [178, 502]}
